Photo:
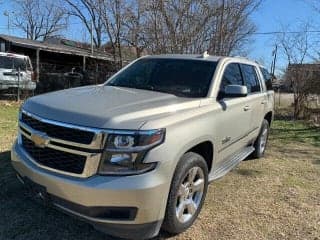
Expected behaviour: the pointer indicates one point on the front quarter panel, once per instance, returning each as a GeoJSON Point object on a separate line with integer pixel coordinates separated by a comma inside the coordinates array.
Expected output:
{"type": "Point", "coordinates": [183, 131]}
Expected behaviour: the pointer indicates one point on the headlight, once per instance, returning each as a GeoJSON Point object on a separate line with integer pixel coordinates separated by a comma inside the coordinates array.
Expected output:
{"type": "Point", "coordinates": [125, 151]}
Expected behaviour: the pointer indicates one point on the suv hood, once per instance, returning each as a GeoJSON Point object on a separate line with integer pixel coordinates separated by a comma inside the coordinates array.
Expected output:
{"type": "Point", "coordinates": [106, 106]}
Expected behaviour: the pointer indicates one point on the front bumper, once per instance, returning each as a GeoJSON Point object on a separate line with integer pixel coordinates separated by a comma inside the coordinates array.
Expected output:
{"type": "Point", "coordinates": [146, 193]}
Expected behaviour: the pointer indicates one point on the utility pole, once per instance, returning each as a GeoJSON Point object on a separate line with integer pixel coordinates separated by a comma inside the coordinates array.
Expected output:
{"type": "Point", "coordinates": [91, 32]}
{"type": "Point", "coordinates": [273, 67]}
{"type": "Point", "coordinates": [7, 14]}
{"type": "Point", "coordinates": [273, 64]}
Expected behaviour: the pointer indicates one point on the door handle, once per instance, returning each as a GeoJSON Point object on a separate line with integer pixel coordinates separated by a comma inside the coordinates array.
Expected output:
{"type": "Point", "coordinates": [264, 102]}
{"type": "Point", "coordinates": [246, 108]}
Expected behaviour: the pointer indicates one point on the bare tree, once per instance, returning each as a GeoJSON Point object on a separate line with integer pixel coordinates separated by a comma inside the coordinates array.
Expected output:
{"type": "Point", "coordinates": [39, 19]}
{"type": "Point", "coordinates": [231, 26]}
{"type": "Point", "coordinates": [89, 12]}
{"type": "Point", "coordinates": [174, 26]}
{"type": "Point", "coordinates": [295, 47]}
{"type": "Point", "coordinates": [193, 26]}
{"type": "Point", "coordinates": [304, 81]}
{"type": "Point", "coordinates": [112, 13]}
{"type": "Point", "coordinates": [134, 23]}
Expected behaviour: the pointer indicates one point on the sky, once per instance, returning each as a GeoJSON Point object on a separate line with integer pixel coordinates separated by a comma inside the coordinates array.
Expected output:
{"type": "Point", "coordinates": [269, 17]}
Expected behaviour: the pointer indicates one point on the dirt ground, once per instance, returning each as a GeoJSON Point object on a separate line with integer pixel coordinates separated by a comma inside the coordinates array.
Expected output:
{"type": "Point", "coordinates": [277, 197]}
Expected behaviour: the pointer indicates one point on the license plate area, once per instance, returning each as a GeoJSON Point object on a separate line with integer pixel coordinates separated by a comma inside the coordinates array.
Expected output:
{"type": "Point", "coordinates": [36, 191]}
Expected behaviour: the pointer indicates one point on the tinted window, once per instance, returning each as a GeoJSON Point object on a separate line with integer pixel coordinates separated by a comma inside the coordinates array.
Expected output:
{"type": "Point", "coordinates": [185, 78]}
{"type": "Point", "coordinates": [250, 78]}
{"type": "Point", "coordinates": [267, 78]}
{"type": "Point", "coordinates": [231, 76]}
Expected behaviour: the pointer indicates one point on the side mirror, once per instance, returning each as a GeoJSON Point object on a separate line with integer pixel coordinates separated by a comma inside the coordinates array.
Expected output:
{"type": "Point", "coordinates": [232, 91]}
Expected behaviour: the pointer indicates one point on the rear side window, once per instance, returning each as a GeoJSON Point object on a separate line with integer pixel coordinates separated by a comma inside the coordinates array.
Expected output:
{"type": "Point", "coordinates": [250, 77]}
{"type": "Point", "coordinates": [267, 78]}
{"type": "Point", "coordinates": [231, 76]}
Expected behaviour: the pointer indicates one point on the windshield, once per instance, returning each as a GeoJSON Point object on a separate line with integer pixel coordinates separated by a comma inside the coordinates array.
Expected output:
{"type": "Point", "coordinates": [12, 63]}
{"type": "Point", "coordinates": [183, 78]}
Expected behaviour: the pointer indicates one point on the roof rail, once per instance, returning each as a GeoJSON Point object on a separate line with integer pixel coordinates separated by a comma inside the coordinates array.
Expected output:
{"type": "Point", "coordinates": [241, 57]}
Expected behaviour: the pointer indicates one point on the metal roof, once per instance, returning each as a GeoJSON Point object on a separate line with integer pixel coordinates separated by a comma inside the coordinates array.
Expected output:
{"type": "Point", "coordinates": [58, 48]}
{"type": "Point", "coordinates": [12, 55]}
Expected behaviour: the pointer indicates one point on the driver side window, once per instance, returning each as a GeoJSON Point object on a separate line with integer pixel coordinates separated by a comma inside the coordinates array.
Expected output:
{"type": "Point", "coordinates": [231, 76]}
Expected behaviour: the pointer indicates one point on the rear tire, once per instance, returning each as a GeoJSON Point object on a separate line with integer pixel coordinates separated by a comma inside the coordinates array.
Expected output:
{"type": "Point", "coordinates": [187, 193]}
{"type": "Point", "coordinates": [262, 140]}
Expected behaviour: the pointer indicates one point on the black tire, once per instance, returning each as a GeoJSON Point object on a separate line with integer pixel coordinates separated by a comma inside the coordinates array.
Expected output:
{"type": "Point", "coordinates": [188, 162]}
{"type": "Point", "coordinates": [259, 150]}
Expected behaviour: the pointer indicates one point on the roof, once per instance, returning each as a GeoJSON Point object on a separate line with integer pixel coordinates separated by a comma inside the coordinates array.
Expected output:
{"type": "Point", "coordinates": [58, 48]}
{"type": "Point", "coordinates": [13, 55]}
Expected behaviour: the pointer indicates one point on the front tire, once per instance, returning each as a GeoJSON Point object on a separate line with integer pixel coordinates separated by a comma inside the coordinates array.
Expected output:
{"type": "Point", "coordinates": [261, 142]}
{"type": "Point", "coordinates": [187, 193]}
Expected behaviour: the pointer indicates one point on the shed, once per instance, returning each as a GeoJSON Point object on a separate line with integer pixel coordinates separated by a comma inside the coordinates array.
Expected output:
{"type": "Point", "coordinates": [59, 57]}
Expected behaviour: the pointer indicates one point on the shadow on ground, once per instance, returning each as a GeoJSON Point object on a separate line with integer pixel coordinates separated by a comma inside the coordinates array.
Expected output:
{"type": "Point", "coordinates": [316, 162]}
{"type": "Point", "coordinates": [24, 218]}
{"type": "Point", "coordinates": [247, 172]}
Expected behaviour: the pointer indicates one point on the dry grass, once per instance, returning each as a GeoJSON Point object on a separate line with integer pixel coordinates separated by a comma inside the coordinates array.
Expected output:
{"type": "Point", "coordinates": [277, 197]}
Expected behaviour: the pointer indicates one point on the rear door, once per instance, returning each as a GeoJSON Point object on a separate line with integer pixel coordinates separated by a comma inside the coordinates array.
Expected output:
{"type": "Point", "coordinates": [256, 97]}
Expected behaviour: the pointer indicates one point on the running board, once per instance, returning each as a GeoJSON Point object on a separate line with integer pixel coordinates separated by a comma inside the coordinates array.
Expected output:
{"type": "Point", "coordinates": [231, 163]}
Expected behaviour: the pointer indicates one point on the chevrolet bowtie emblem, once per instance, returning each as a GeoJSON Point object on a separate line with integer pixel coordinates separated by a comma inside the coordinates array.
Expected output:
{"type": "Point", "coordinates": [40, 139]}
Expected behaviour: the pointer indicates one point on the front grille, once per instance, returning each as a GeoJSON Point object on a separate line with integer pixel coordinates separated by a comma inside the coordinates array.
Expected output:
{"type": "Point", "coordinates": [55, 131]}
{"type": "Point", "coordinates": [55, 159]}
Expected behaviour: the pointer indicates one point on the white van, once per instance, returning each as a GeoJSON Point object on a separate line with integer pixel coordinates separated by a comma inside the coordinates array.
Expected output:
{"type": "Point", "coordinates": [10, 64]}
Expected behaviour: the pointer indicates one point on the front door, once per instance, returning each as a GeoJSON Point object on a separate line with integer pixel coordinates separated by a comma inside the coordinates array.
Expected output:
{"type": "Point", "coordinates": [233, 118]}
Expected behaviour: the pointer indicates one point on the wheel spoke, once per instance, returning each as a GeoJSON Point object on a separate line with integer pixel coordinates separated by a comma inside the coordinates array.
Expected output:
{"type": "Point", "coordinates": [180, 211]}
{"type": "Point", "coordinates": [198, 185]}
{"type": "Point", "coordinates": [191, 206]}
{"type": "Point", "coordinates": [181, 190]}
{"type": "Point", "coordinates": [192, 175]}
{"type": "Point", "coordinates": [189, 194]}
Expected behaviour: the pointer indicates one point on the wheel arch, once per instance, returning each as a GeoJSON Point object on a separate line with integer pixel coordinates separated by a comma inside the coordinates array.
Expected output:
{"type": "Point", "coordinates": [269, 117]}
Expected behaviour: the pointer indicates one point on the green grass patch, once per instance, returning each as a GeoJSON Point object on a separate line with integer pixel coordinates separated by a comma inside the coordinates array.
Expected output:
{"type": "Point", "coordinates": [8, 124]}
{"type": "Point", "coordinates": [295, 131]}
